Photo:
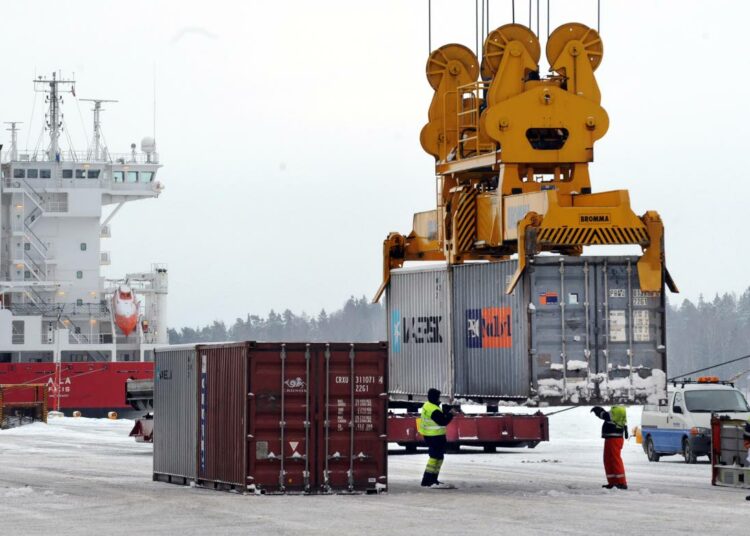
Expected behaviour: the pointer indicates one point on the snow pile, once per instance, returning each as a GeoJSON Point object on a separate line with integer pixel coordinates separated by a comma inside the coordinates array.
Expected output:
{"type": "Point", "coordinates": [574, 364]}
{"type": "Point", "coordinates": [647, 390]}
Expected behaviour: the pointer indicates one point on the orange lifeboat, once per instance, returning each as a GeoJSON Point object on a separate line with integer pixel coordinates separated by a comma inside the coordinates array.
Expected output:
{"type": "Point", "coordinates": [125, 309]}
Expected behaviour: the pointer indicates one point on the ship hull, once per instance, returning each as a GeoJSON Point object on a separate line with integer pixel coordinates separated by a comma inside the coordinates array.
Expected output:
{"type": "Point", "coordinates": [94, 389]}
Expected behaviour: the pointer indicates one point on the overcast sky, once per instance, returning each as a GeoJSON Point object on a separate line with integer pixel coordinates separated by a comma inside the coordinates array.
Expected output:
{"type": "Point", "coordinates": [289, 132]}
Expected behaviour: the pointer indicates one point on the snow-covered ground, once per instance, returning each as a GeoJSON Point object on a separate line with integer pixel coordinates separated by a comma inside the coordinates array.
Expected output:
{"type": "Point", "coordinates": [86, 476]}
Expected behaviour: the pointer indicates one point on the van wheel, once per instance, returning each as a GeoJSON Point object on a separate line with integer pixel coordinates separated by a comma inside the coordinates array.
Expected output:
{"type": "Point", "coordinates": [688, 453]}
{"type": "Point", "coordinates": [650, 451]}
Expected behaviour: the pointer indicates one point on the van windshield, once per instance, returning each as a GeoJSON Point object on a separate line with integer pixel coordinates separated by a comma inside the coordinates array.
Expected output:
{"type": "Point", "coordinates": [717, 400]}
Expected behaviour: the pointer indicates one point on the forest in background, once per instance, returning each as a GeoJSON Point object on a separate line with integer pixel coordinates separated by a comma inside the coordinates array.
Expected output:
{"type": "Point", "coordinates": [357, 321]}
{"type": "Point", "coordinates": [698, 334]}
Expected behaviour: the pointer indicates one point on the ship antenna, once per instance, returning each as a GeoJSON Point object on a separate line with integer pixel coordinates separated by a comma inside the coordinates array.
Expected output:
{"type": "Point", "coordinates": [154, 127]}
{"type": "Point", "coordinates": [97, 151]}
{"type": "Point", "coordinates": [13, 139]}
{"type": "Point", "coordinates": [51, 86]}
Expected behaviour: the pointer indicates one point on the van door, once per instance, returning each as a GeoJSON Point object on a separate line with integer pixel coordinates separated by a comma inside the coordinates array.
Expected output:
{"type": "Point", "coordinates": [677, 424]}
{"type": "Point", "coordinates": [662, 422]}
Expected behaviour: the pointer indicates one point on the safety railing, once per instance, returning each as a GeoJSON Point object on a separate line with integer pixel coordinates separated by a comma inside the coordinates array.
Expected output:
{"type": "Point", "coordinates": [87, 156]}
{"type": "Point", "coordinates": [469, 107]}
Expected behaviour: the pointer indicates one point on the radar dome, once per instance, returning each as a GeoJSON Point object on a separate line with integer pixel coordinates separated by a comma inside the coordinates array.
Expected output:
{"type": "Point", "coordinates": [148, 145]}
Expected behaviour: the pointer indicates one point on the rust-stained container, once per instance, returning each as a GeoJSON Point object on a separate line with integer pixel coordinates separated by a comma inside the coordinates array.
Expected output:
{"type": "Point", "coordinates": [281, 453]}
{"type": "Point", "coordinates": [317, 418]}
{"type": "Point", "coordinates": [353, 399]}
{"type": "Point", "coordinates": [222, 420]}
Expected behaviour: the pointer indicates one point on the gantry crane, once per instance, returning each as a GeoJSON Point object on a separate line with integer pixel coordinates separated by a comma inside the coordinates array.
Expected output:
{"type": "Point", "coordinates": [512, 151]}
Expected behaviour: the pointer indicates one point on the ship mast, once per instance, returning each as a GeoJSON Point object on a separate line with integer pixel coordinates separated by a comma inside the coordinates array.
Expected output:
{"type": "Point", "coordinates": [97, 152]}
{"type": "Point", "coordinates": [13, 139]}
{"type": "Point", "coordinates": [54, 117]}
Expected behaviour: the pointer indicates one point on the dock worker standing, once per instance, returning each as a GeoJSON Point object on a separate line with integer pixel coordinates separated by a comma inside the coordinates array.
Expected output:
{"type": "Point", "coordinates": [746, 437]}
{"type": "Point", "coordinates": [614, 432]}
{"type": "Point", "coordinates": [432, 425]}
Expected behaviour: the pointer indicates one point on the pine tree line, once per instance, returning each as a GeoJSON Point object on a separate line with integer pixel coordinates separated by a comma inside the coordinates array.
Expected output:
{"type": "Point", "coordinates": [358, 321]}
{"type": "Point", "coordinates": [709, 332]}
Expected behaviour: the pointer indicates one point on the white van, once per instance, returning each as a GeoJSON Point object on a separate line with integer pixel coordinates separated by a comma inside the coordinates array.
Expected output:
{"type": "Point", "coordinates": [683, 425]}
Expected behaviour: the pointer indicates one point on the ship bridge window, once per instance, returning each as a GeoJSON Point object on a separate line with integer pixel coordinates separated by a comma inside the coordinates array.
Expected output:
{"type": "Point", "coordinates": [45, 173]}
{"type": "Point", "coordinates": [67, 174]}
{"type": "Point", "coordinates": [79, 274]}
{"type": "Point", "coordinates": [147, 176]}
{"type": "Point", "coordinates": [132, 176]}
{"type": "Point", "coordinates": [32, 173]}
{"type": "Point", "coordinates": [80, 173]}
{"type": "Point", "coordinates": [83, 246]}
{"type": "Point", "coordinates": [93, 173]}
{"type": "Point", "coordinates": [118, 176]}
{"type": "Point", "coordinates": [19, 173]}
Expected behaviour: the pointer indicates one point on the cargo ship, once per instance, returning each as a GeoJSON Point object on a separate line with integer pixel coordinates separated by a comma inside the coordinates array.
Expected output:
{"type": "Point", "coordinates": [62, 322]}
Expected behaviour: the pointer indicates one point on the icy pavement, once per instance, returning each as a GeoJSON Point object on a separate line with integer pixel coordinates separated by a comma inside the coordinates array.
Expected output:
{"type": "Point", "coordinates": [86, 476]}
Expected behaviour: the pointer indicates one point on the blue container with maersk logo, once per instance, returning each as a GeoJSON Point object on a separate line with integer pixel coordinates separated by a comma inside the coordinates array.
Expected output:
{"type": "Point", "coordinates": [575, 329]}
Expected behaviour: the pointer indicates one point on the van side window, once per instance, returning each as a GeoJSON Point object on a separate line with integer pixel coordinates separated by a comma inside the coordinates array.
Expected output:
{"type": "Point", "coordinates": [677, 400]}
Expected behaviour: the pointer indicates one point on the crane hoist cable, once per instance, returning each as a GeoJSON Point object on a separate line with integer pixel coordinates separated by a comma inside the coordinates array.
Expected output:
{"type": "Point", "coordinates": [710, 367]}
{"type": "Point", "coordinates": [529, 14]}
{"type": "Point", "coordinates": [476, 27]}
{"type": "Point", "coordinates": [429, 27]}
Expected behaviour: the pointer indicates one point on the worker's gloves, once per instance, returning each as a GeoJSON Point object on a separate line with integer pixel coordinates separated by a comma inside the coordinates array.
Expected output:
{"type": "Point", "coordinates": [597, 410]}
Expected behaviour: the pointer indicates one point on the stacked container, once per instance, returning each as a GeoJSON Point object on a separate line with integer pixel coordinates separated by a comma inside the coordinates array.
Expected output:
{"type": "Point", "coordinates": [576, 330]}
{"type": "Point", "coordinates": [282, 418]}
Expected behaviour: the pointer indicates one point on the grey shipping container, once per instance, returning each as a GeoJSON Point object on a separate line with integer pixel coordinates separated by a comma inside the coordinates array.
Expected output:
{"type": "Point", "coordinates": [175, 424]}
{"type": "Point", "coordinates": [576, 330]}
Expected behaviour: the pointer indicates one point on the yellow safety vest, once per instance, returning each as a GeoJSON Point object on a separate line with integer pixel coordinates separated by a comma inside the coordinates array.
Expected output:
{"type": "Point", "coordinates": [425, 425]}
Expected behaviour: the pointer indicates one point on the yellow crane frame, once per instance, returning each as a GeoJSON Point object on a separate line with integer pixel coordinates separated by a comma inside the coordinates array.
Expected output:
{"type": "Point", "coordinates": [511, 159]}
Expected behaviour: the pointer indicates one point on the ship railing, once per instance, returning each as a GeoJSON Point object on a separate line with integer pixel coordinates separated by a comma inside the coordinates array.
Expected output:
{"type": "Point", "coordinates": [39, 305]}
{"type": "Point", "coordinates": [89, 338]}
{"type": "Point", "coordinates": [86, 156]}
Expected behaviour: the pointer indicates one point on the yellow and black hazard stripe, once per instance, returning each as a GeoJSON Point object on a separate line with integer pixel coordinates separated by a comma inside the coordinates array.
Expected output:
{"type": "Point", "coordinates": [465, 220]}
{"type": "Point", "coordinates": [586, 236]}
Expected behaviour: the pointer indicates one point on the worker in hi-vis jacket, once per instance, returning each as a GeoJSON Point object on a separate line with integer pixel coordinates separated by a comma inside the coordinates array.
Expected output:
{"type": "Point", "coordinates": [432, 425]}
{"type": "Point", "coordinates": [614, 432]}
{"type": "Point", "coordinates": [746, 437]}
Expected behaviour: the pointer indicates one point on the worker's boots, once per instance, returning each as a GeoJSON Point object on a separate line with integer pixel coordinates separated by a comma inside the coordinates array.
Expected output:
{"type": "Point", "coordinates": [428, 479]}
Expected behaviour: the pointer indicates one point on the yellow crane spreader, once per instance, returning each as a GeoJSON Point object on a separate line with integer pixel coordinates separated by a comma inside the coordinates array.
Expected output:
{"type": "Point", "coordinates": [512, 150]}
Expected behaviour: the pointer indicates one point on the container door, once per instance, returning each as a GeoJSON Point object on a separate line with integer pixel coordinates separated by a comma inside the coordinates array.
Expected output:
{"type": "Point", "coordinates": [419, 333]}
{"type": "Point", "coordinates": [560, 291]}
{"type": "Point", "coordinates": [489, 333]}
{"type": "Point", "coordinates": [632, 346]}
{"type": "Point", "coordinates": [221, 434]}
{"type": "Point", "coordinates": [353, 402]}
{"type": "Point", "coordinates": [281, 408]}
{"type": "Point", "coordinates": [175, 396]}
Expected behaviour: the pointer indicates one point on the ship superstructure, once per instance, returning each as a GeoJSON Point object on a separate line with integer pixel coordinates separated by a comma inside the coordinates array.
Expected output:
{"type": "Point", "coordinates": [56, 305]}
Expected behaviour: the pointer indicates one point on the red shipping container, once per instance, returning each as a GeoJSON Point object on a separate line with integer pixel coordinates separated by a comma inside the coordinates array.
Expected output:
{"type": "Point", "coordinates": [221, 415]}
{"type": "Point", "coordinates": [293, 417]}
{"type": "Point", "coordinates": [280, 453]}
{"type": "Point", "coordinates": [353, 396]}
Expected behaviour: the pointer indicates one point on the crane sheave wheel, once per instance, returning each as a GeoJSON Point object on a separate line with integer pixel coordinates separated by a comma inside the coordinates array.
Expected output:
{"type": "Point", "coordinates": [592, 42]}
{"type": "Point", "coordinates": [498, 39]}
{"type": "Point", "coordinates": [439, 62]}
